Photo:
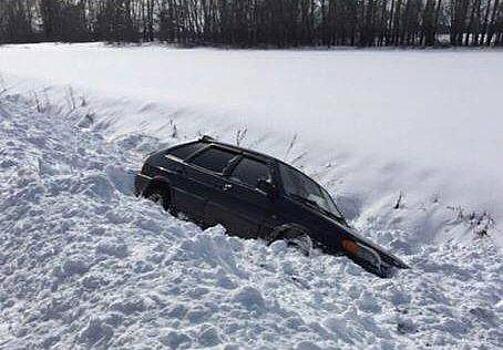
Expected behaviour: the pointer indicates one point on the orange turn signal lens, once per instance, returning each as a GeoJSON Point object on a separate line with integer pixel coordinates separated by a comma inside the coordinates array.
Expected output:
{"type": "Point", "coordinates": [350, 246]}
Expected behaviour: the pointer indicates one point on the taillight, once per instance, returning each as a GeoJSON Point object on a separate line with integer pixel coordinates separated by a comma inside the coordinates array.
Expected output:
{"type": "Point", "coordinates": [147, 170]}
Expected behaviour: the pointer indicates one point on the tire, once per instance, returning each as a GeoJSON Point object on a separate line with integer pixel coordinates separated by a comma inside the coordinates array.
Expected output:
{"type": "Point", "coordinates": [295, 236]}
{"type": "Point", "coordinates": [159, 196]}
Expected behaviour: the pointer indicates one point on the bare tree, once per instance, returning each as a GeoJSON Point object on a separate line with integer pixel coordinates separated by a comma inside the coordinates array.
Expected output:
{"type": "Point", "coordinates": [250, 23]}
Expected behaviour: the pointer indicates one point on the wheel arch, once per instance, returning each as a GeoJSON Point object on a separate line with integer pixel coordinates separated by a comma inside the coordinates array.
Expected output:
{"type": "Point", "coordinates": [288, 230]}
{"type": "Point", "coordinates": [158, 182]}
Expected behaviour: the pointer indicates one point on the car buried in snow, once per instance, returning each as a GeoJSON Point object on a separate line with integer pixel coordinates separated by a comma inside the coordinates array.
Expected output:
{"type": "Point", "coordinates": [255, 196]}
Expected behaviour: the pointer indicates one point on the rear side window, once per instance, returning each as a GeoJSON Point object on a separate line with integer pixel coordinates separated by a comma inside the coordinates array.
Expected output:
{"type": "Point", "coordinates": [184, 151]}
{"type": "Point", "coordinates": [249, 171]}
{"type": "Point", "coordinates": [214, 159]}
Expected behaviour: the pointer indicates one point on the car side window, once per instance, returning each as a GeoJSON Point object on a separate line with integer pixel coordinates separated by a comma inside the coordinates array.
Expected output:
{"type": "Point", "coordinates": [184, 151]}
{"type": "Point", "coordinates": [249, 171]}
{"type": "Point", "coordinates": [214, 159]}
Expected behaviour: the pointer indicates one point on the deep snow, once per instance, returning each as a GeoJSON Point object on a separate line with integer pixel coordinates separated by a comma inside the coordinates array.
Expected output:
{"type": "Point", "coordinates": [427, 123]}
{"type": "Point", "coordinates": [85, 264]}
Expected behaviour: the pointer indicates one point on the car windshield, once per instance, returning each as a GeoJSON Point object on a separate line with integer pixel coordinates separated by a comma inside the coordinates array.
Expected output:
{"type": "Point", "coordinates": [302, 187]}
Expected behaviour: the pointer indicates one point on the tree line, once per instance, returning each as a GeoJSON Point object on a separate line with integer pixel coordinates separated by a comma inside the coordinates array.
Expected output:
{"type": "Point", "coordinates": [256, 23]}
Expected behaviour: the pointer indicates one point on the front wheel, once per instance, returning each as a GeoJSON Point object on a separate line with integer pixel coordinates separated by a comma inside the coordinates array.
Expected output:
{"type": "Point", "coordinates": [295, 236]}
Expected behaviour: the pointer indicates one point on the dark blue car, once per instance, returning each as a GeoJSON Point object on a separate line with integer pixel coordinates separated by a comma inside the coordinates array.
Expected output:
{"type": "Point", "coordinates": [255, 196]}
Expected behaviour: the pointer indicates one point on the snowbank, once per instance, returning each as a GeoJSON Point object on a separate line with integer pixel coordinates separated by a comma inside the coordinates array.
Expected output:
{"type": "Point", "coordinates": [424, 123]}
{"type": "Point", "coordinates": [84, 264]}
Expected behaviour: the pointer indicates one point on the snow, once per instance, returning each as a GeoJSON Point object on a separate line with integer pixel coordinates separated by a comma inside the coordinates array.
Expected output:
{"type": "Point", "coordinates": [422, 122]}
{"type": "Point", "coordinates": [85, 264]}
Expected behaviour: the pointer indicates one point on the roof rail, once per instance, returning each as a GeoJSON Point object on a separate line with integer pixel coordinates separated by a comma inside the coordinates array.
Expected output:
{"type": "Point", "coordinates": [207, 138]}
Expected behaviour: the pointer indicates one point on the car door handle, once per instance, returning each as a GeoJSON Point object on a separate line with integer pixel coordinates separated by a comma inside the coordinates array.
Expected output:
{"type": "Point", "coordinates": [227, 187]}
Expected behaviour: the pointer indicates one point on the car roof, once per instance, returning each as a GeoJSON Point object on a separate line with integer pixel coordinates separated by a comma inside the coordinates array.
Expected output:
{"type": "Point", "coordinates": [264, 157]}
{"type": "Point", "coordinates": [210, 141]}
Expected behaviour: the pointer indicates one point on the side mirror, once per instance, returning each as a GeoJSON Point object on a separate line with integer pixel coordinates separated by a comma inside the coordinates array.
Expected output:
{"type": "Point", "coordinates": [267, 187]}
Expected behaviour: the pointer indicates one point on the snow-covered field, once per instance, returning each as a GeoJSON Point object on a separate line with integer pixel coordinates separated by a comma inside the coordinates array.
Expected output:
{"type": "Point", "coordinates": [85, 264]}
{"type": "Point", "coordinates": [427, 123]}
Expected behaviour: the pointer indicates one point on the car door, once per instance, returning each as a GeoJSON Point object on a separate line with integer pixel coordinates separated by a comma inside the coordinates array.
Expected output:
{"type": "Point", "coordinates": [202, 173]}
{"type": "Point", "coordinates": [241, 207]}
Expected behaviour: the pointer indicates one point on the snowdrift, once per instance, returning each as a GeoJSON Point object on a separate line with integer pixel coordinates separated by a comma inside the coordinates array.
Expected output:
{"type": "Point", "coordinates": [421, 122]}
{"type": "Point", "coordinates": [85, 264]}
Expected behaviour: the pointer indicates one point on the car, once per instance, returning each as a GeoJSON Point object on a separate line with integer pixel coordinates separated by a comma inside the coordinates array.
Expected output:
{"type": "Point", "coordinates": [255, 196]}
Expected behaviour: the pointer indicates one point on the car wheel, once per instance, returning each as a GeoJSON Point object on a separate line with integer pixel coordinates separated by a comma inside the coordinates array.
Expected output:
{"type": "Point", "coordinates": [295, 236]}
{"type": "Point", "coordinates": [160, 196]}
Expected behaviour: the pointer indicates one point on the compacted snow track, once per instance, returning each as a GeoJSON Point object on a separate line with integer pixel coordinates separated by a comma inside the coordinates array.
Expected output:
{"type": "Point", "coordinates": [84, 264]}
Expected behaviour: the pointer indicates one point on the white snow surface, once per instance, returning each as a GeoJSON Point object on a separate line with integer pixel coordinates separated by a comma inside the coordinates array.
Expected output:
{"type": "Point", "coordinates": [422, 122]}
{"type": "Point", "coordinates": [84, 264]}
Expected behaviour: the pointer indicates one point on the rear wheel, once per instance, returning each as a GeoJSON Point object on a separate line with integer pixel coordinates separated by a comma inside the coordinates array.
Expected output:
{"type": "Point", "coordinates": [160, 196]}
{"type": "Point", "coordinates": [295, 236]}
